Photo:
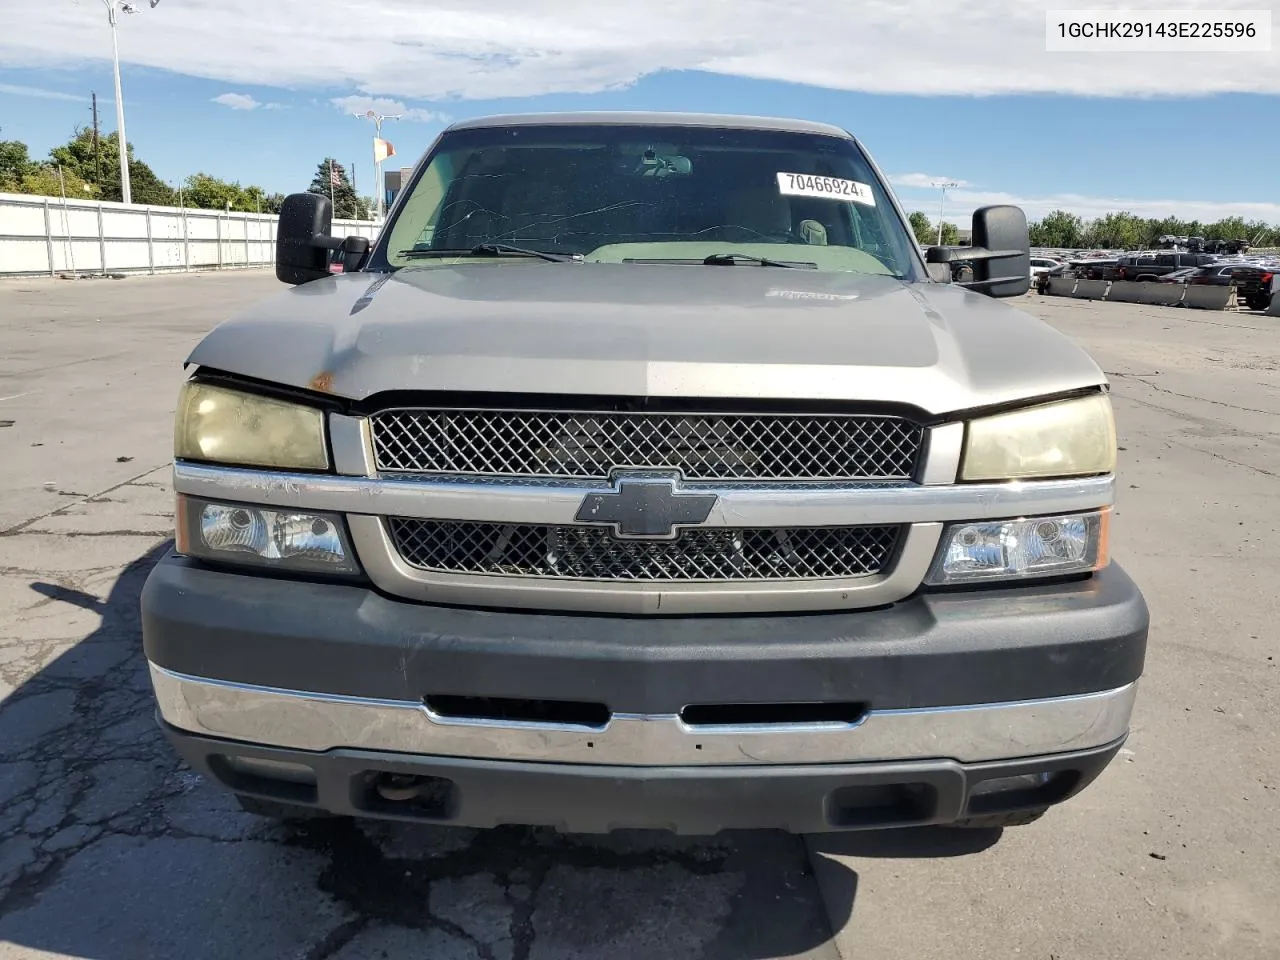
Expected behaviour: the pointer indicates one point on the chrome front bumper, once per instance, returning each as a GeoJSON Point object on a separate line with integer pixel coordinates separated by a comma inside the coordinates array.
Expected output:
{"type": "Point", "coordinates": [317, 722]}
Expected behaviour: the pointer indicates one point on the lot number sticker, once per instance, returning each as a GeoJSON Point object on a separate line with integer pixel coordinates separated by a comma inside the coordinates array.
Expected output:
{"type": "Point", "coordinates": [832, 188]}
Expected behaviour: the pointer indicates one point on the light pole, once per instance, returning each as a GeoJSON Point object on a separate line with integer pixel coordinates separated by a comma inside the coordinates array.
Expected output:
{"type": "Point", "coordinates": [945, 185]}
{"type": "Point", "coordinates": [113, 6]}
{"type": "Point", "coordinates": [379, 192]}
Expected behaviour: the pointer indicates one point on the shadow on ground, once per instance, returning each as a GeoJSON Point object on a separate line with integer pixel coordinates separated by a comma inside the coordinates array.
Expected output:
{"type": "Point", "coordinates": [112, 850]}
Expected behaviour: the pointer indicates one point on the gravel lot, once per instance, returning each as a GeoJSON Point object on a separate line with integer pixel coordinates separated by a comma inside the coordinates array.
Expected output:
{"type": "Point", "coordinates": [111, 850]}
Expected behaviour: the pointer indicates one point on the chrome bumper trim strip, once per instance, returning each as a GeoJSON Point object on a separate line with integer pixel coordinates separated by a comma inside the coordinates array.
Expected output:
{"type": "Point", "coordinates": [317, 722]}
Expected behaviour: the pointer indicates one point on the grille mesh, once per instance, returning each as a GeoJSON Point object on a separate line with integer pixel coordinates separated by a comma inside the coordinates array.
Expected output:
{"type": "Point", "coordinates": [586, 553]}
{"type": "Point", "coordinates": [587, 445]}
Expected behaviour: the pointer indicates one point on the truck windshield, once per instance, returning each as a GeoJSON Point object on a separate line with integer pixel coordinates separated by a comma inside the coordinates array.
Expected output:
{"type": "Point", "coordinates": [619, 193]}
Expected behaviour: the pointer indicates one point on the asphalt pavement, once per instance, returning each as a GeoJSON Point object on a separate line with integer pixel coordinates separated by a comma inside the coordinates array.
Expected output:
{"type": "Point", "coordinates": [111, 850]}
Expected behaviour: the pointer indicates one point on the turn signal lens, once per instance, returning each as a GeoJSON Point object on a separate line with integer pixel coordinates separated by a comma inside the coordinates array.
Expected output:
{"type": "Point", "coordinates": [1019, 549]}
{"type": "Point", "coordinates": [281, 539]}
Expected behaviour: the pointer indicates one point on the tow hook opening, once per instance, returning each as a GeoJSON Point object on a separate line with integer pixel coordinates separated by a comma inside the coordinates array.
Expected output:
{"type": "Point", "coordinates": [410, 795]}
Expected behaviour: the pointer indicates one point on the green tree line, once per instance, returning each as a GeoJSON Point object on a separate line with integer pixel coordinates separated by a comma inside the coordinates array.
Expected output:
{"type": "Point", "coordinates": [90, 171]}
{"type": "Point", "coordinates": [1115, 231]}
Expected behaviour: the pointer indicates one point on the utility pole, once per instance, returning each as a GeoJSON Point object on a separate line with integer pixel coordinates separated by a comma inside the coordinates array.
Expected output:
{"type": "Point", "coordinates": [97, 153]}
{"type": "Point", "coordinates": [379, 191]}
{"type": "Point", "coordinates": [945, 185]}
{"type": "Point", "coordinates": [113, 6]}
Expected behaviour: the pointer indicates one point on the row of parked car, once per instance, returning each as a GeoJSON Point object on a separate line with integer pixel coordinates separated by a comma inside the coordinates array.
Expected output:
{"type": "Point", "coordinates": [1253, 277]}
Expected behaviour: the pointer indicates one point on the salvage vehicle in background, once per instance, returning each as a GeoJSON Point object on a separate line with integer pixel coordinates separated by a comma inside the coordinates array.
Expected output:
{"type": "Point", "coordinates": [1095, 268]}
{"type": "Point", "coordinates": [1252, 282]}
{"type": "Point", "coordinates": [1152, 266]}
{"type": "Point", "coordinates": [643, 473]}
{"type": "Point", "coordinates": [1043, 265]}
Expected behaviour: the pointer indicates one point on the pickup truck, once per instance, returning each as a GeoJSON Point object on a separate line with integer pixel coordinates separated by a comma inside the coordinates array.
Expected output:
{"type": "Point", "coordinates": [1153, 266]}
{"type": "Point", "coordinates": [644, 473]}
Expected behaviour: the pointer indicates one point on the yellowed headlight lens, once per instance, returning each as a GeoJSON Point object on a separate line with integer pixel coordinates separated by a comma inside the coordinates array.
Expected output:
{"type": "Point", "coordinates": [227, 426]}
{"type": "Point", "coordinates": [1071, 438]}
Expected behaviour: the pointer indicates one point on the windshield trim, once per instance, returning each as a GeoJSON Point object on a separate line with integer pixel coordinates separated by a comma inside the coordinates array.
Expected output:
{"type": "Point", "coordinates": [379, 260]}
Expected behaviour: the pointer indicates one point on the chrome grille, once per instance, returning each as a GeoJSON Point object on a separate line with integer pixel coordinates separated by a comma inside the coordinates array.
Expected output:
{"type": "Point", "coordinates": [704, 446]}
{"type": "Point", "coordinates": [586, 553]}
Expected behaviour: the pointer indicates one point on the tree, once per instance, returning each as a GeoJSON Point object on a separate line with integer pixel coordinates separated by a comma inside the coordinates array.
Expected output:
{"type": "Point", "coordinates": [43, 180]}
{"type": "Point", "coordinates": [77, 156]}
{"type": "Point", "coordinates": [15, 164]}
{"type": "Point", "coordinates": [209, 193]}
{"type": "Point", "coordinates": [1228, 228]}
{"type": "Point", "coordinates": [345, 202]}
{"type": "Point", "coordinates": [1115, 231]}
{"type": "Point", "coordinates": [926, 233]}
{"type": "Point", "coordinates": [922, 228]}
{"type": "Point", "coordinates": [1057, 229]}
{"type": "Point", "coordinates": [1262, 234]}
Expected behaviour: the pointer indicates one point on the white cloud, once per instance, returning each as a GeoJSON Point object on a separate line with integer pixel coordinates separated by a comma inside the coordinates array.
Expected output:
{"type": "Point", "coordinates": [237, 101]}
{"type": "Point", "coordinates": [40, 93]}
{"type": "Point", "coordinates": [962, 203]}
{"type": "Point", "coordinates": [510, 48]}
{"type": "Point", "coordinates": [923, 180]}
{"type": "Point", "coordinates": [388, 108]}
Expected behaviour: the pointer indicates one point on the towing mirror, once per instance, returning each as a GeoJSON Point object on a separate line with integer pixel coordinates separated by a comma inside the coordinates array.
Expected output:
{"type": "Point", "coordinates": [303, 243]}
{"type": "Point", "coordinates": [1000, 256]}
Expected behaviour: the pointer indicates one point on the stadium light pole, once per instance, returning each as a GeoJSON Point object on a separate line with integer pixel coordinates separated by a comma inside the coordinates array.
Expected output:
{"type": "Point", "coordinates": [379, 192]}
{"type": "Point", "coordinates": [114, 8]}
{"type": "Point", "coordinates": [945, 185]}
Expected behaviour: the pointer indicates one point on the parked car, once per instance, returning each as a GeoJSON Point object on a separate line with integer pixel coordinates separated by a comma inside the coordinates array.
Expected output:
{"type": "Point", "coordinates": [1096, 268]}
{"type": "Point", "coordinates": [1040, 265]}
{"type": "Point", "coordinates": [623, 487]}
{"type": "Point", "coordinates": [1060, 269]}
{"type": "Point", "coordinates": [1152, 266]}
{"type": "Point", "coordinates": [1253, 282]}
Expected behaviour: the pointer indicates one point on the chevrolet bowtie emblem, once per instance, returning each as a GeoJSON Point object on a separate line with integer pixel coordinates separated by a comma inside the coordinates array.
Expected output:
{"type": "Point", "coordinates": [646, 508]}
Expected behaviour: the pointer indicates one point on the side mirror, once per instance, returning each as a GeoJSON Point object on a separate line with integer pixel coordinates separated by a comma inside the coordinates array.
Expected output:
{"type": "Point", "coordinates": [1000, 256]}
{"type": "Point", "coordinates": [303, 243]}
{"type": "Point", "coordinates": [354, 250]}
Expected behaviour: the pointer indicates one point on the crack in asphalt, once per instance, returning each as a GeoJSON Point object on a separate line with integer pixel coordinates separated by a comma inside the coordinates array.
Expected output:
{"type": "Point", "coordinates": [393, 890]}
{"type": "Point", "coordinates": [1141, 378]}
{"type": "Point", "coordinates": [336, 939]}
{"type": "Point", "coordinates": [85, 498]}
{"type": "Point", "coordinates": [1248, 466]}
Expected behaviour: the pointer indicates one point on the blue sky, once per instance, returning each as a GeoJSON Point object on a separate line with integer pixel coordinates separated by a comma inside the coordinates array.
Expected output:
{"type": "Point", "coordinates": [1154, 133]}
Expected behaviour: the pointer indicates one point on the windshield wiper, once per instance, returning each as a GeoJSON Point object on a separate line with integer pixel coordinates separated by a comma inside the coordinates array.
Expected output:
{"type": "Point", "coordinates": [490, 250]}
{"type": "Point", "coordinates": [726, 260]}
{"type": "Point", "coordinates": [731, 259]}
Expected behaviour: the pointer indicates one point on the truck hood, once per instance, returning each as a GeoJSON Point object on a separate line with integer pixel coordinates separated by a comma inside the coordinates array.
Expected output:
{"type": "Point", "coordinates": [649, 330]}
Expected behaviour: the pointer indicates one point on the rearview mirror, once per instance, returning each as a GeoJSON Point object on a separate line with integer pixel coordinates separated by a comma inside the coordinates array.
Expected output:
{"type": "Point", "coordinates": [303, 243]}
{"type": "Point", "coordinates": [1000, 256]}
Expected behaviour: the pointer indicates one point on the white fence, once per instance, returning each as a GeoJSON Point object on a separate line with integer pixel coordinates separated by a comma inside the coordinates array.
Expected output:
{"type": "Point", "coordinates": [46, 236]}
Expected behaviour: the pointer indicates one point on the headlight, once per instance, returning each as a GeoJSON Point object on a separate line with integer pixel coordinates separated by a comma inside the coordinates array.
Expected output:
{"type": "Point", "coordinates": [1016, 549]}
{"type": "Point", "coordinates": [298, 540]}
{"type": "Point", "coordinates": [1066, 439]}
{"type": "Point", "coordinates": [227, 426]}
